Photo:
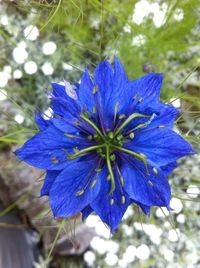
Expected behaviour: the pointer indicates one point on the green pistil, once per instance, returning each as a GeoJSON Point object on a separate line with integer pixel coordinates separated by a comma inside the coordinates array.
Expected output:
{"type": "Point", "coordinates": [128, 120]}
{"type": "Point", "coordinates": [140, 156]}
{"type": "Point", "coordinates": [86, 150]}
{"type": "Point", "coordinates": [94, 126]}
{"type": "Point", "coordinates": [110, 170]}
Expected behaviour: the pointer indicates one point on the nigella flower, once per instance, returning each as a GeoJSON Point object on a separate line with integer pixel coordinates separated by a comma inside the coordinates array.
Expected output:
{"type": "Point", "coordinates": [108, 144]}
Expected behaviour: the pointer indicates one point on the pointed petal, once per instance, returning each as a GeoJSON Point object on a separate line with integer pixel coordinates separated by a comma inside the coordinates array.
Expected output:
{"type": "Point", "coordinates": [64, 198]}
{"type": "Point", "coordinates": [145, 209]}
{"type": "Point", "coordinates": [63, 125]}
{"type": "Point", "coordinates": [48, 182]}
{"type": "Point", "coordinates": [59, 90]}
{"type": "Point", "coordinates": [169, 168]}
{"type": "Point", "coordinates": [161, 145]}
{"type": "Point", "coordinates": [103, 79]}
{"type": "Point", "coordinates": [110, 213]}
{"type": "Point", "coordinates": [41, 122]}
{"type": "Point", "coordinates": [120, 89]}
{"type": "Point", "coordinates": [64, 105]}
{"type": "Point", "coordinates": [149, 190]}
{"type": "Point", "coordinates": [47, 149]}
{"type": "Point", "coordinates": [86, 212]}
{"type": "Point", "coordinates": [147, 87]}
{"type": "Point", "coordinates": [85, 94]}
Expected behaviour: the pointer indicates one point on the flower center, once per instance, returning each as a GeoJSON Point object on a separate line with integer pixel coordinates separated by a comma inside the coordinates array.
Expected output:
{"type": "Point", "coordinates": [107, 144]}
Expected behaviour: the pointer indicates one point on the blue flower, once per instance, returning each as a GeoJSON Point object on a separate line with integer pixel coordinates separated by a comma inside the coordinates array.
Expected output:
{"type": "Point", "coordinates": [108, 144]}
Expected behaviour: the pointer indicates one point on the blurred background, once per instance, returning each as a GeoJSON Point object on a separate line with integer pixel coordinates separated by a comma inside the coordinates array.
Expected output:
{"type": "Point", "coordinates": [44, 41]}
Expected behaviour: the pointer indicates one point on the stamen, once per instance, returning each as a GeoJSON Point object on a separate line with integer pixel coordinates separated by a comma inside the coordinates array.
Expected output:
{"type": "Point", "coordinates": [93, 184]}
{"type": "Point", "coordinates": [120, 176]}
{"type": "Point", "coordinates": [131, 135]}
{"type": "Point", "coordinates": [136, 96]}
{"type": "Point", "coordinates": [122, 116]}
{"type": "Point", "coordinates": [111, 201]}
{"type": "Point", "coordinates": [94, 110]}
{"type": "Point", "coordinates": [115, 110]}
{"type": "Point", "coordinates": [108, 177]}
{"type": "Point", "coordinates": [110, 170]}
{"type": "Point", "coordinates": [94, 126]}
{"type": "Point", "coordinates": [81, 192]}
{"type": "Point", "coordinates": [162, 126]}
{"type": "Point", "coordinates": [90, 137]}
{"type": "Point", "coordinates": [65, 151]}
{"type": "Point", "coordinates": [54, 160]}
{"type": "Point", "coordinates": [69, 135]}
{"type": "Point", "coordinates": [95, 89]}
{"type": "Point", "coordinates": [140, 156]}
{"type": "Point", "coordinates": [128, 120]}
{"type": "Point", "coordinates": [86, 150]}
{"type": "Point", "coordinates": [150, 183]}
{"type": "Point", "coordinates": [123, 199]}
{"type": "Point", "coordinates": [155, 170]}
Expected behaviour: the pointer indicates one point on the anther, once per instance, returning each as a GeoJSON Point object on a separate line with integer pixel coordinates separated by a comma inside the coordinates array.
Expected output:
{"type": "Point", "coordinates": [90, 137]}
{"type": "Point", "coordinates": [108, 177]}
{"type": "Point", "coordinates": [98, 170]}
{"type": "Point", "coordinates": [150, 183]}
{"type": "Point", "coordinates": [141, 99]}
{"type": "Point", "coordinates": [123, 199]}
{"type": "Point", "coordinates": [136, 96]}
{"type": "Point", "coordinates": [131, 135]}
{"type": "Point", "coordinates": [155, 170]}
{"type": "Point", "coordinates": [121, 180]}
{"type": "Point", "coordinates": [93, 184]}
{"type": "Point", "coordinates": [95, 89]}
{"type": "Point", "coordinates": [80, 192]}
{"type": "Point", "coordinates": [76, 150]}
{"type": "Point", "coordinates": [111, 201]}
{"type": "Point", "coordinates": [162, 126]}
{"type": "Point", "coordinates": [122, 116]}
{"type": "Point", "coordinates": [94, 110]}
{"type": "Point", "coordinates": [54, 160]}
{"type": "Point", "coordinates": [69, 135]}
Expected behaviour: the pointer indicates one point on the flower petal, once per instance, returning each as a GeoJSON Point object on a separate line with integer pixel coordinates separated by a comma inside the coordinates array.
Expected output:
{"type": "Point", "coordinates": [47, 149]}
{"type": "Point", "coordinates": [41, 122]}
{"type": "Point", "coordinates": [161, 145]}
{"type": "Point", "coordinates": [145, 209]}
{"type": "Point", "coordinates": [86, 212]}
{"type": "Point", "coordinates": [85, 94]}
{"type": "Point", "coordinates": [110, 213]}
{"type": "Point", "coordinates": [147, 87]}
{"type": "Point", "coordinates": [149, 190]}
{"type": "Point", "coordinates": [103, 79]}
{"type": "Point", "coordinates": [64, 198]}
{"type": "Point", "coordinates": [48, 182]}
